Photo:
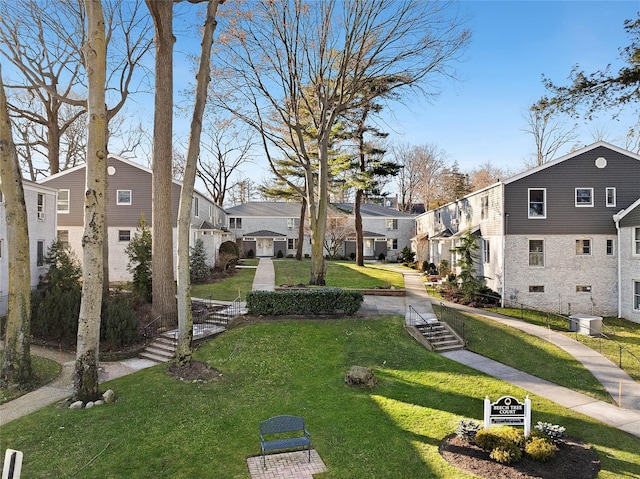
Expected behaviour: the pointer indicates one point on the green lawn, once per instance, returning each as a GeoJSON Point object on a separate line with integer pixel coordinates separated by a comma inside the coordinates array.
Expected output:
{"type": "Point", "coordinates": [227, 290]}
{"type": "Point", "coordinates": [162, 428]}
{"type": "Point", "coordinates": [621, 344]}
{"type": "Point", "coordinates": [44, 371]}
{"type": "Point", "coordinates": [340, 274]}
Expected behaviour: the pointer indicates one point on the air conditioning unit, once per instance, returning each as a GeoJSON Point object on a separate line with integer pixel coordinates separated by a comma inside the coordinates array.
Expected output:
{"type": "Point", "coordinates": [41, 215]}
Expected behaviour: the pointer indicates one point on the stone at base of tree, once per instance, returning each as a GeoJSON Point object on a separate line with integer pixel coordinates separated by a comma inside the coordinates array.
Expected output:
{"type": "Point", "coordinates": [109, 396]}
{"type": "Point", "coordinates": [76, 405]}
{"type": "Point", "coordinates": [90, 404]}
{"type": "Point", "coordinates": [360, 376]}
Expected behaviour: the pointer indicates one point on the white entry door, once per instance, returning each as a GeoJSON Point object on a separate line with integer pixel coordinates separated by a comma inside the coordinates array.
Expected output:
{"type": "Point", "coordinates": [368, 247]}
{"type": "Point", "coordinates": [264, 247]}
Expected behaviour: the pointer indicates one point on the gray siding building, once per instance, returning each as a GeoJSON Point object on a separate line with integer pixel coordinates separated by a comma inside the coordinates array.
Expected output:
{"type": "Point", "coordinates": [559, 237]}
{"type": "Point", "coordinates": [129, 199]}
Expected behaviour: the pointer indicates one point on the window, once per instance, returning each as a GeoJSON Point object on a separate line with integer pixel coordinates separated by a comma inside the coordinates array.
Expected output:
{"type": "Point", "coordinates": [1, 247]}
{"type": "Point", "coordinates": [584, 196]}
{"type": "Point", "coordinates": [484, 207]}
{"type": "Point", "coordinates": [40, 253]}
{"type": "Point", "coordinates": [392, 224]}
{"type": "Point", "coordinates": [536, 288]}
{"type": "Point", "coordinates": [537, 203]}
{"type": "Point", "coordinates": [293, 223]}
{"type": "Point", "coordinates": [63, 201]}
{"type": "Point", "coordinates": [123, 197]}
{"type": "Point", "coordinates": [211, 212]}
{"type": "Point", "coordinates": [63, 238]}
{"type": "Point", "coordinates": [196, 206]}
{"type": "Point", "coordinates": [40, 207]}
{"type": "Point", "coordinates": [439, 217]}
{"type": "Point", "coordinates": [392, 243]}
{"type": "Point", "coordinates": [486, 251]}
{"type": "Point", "coordinates": [610, 247]}
{"type": "Point", "coordinates": [636, 249]}
{"type": "Point", "coordinates": [124, 236]}
{"type": "Point", "coordinates": [1, 198]}
{"type": "Point", "coordinates": [611, 196]}
{"type": "Point", "coordinates": [292, 243]}
{"type": "Point", "coordinates": [235, 223]}
{"type": "Point", "coordinates": [536, 252]}
{"type": "Point", "coordinates": [583, 289]}
{"type": "Point", "coordinates": [636, 295]}
{"type": "Point", "coordinates": [583, 246]}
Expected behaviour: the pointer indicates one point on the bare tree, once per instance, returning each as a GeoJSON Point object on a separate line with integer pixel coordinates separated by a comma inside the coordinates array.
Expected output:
{"type": "Point", "coordinates": [85, 384]}
{"type": "Point", "coordinates": [548, 134]}
{"type": "Point", "coordinates": [225, 150]}
{"type": "Point", "coordinates": [485, 175]}
{"type": "Point", "coordinates": [431, 164]}
{"type": "Point", "coordinates": [42, 40]}
{"type": "Point", "coordinates": [289, 62]}
{"type": "Point", "coordinates": [185, 321]}
{"type": "Point", "coordinates": [408, 176]}
{"type": "Point", "coordinates": [16, 365]}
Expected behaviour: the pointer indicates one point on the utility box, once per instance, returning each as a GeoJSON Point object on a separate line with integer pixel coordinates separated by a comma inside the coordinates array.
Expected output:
{"type": "Point", "coordinates": [586, 324]}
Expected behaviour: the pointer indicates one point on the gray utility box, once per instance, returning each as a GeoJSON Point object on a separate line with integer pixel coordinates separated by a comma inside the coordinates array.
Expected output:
{"type": "Point", "coordinates": [586, 324]}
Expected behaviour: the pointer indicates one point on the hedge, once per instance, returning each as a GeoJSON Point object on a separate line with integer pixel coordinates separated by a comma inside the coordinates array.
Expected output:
{"type": "Point", "coordinates": [312, 301]}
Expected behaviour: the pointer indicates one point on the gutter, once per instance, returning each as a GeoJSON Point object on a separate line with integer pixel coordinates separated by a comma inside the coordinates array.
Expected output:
{"type": "Point", "coordinates": [616, 219]}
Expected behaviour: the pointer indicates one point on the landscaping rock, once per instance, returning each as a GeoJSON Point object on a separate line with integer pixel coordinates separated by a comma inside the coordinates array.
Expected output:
{"type": "Point", "coordinates": [99, 402]}
{"type": "Point", "coordinates": [76, 405]}
{"type": "Point", "coordinates": [109, 396]}
{"type": "Point", "coordinates": [90, 404]}
{"type": "Point", "coordinates": [360, 376]}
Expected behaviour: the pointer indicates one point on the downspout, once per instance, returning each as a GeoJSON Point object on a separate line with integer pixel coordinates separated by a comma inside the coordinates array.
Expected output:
{"type": "Point", "coordinates": [616, 219]}
{"type": "Point", "coordinates": [504, 253]}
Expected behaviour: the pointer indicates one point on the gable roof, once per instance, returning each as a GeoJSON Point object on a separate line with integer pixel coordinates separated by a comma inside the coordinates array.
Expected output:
{"type": "Point", "coordinates": [279, 209]}
{"type": "Point", "coordinates": [568, 156]}
{"type": "Point", "coordinates": [622, 213]}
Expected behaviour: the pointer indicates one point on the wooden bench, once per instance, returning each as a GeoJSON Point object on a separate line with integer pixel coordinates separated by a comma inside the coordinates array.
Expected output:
{"type": "Point", "coordinates": [281, 429]}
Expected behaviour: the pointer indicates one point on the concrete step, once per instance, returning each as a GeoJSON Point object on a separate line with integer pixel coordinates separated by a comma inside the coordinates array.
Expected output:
{"type": "Point", "coordinates": [443, 349]}
{"type": "Point", "coordinates": [154, 357]}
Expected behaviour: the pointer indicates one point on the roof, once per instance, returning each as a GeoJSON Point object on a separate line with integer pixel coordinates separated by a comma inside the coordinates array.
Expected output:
{"type": "Point", "coordinates": [369, 234]}
{"type": "Point", "coordinates": [622, 213]}
{"type": "Point", "coordinates": [474, 230]}
{"type": "Point", "coordinates": [443, 234]}
{"type": "Point", "coordinates": [374, 210]}
{"type": "Point", "coordinates": [279, 209]}
{"type": "Point", "coordinates": [264, 234]}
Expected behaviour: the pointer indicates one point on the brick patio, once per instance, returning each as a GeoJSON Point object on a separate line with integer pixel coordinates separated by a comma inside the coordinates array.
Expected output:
{"type": "Point", "coordinates": [288, 465]}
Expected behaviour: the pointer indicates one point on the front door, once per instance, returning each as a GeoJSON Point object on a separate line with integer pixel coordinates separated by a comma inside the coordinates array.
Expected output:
{"type": "Point", "coordinates": [264, 247]}
{"type": "Point", "coordinates": [368, 248]}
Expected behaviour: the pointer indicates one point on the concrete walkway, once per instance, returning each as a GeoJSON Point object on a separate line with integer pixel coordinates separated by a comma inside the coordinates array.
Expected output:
{"type": "Point", "coordinates": [626, 418]}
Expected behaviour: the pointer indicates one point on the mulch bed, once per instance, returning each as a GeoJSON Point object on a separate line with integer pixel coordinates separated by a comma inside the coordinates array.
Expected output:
{"type": "Point", "coordinates": [573, 460]}
{"type": "Point", "coordinates": [195, 371]}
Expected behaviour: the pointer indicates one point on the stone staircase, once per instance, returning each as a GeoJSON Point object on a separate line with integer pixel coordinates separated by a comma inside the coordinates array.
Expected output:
{"type": "Point", "coordinates": [162, 349]}
{"type": "Point", "coordinates": [440, 337]}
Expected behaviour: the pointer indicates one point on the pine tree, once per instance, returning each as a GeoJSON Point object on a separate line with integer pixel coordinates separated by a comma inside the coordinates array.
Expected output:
{"type": "Point", "coordinates": [139, 252]}
{"type": "Point", "coordinates": [198, 264]}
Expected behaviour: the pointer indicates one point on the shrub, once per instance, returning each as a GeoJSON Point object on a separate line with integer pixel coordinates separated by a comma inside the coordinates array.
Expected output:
{"type": "Point", "coordinates": [64, 268]}
{"type": "Point", "coordinates": [280, 254]}
{"type": "Point", "coordinates": [506, 453]}
{"type": "Point", "coordinates": [198, 267]}
{"type": "Point", "coordinates": [381, 257]}
{"type": "Point", "coordinates": [467, 429]}
{"type": "Point", "coordinates": [54, 314]}
{"type": "Point", "coordinates": [487, 439]}
{"type": "Point", "coordinates": [406, 255]}
{"type": "Point", "coordinates": [118, 326]}
{"type": "Point", "coordinates": [313, 301]}
{"type": "Point", "coordinates": [230, 247]}
{"type": "Point", "coordinates": [540, 449]}
{"type": "Point", "coordinates": [250, 253]}
{"type": "Point", "coordinates": [553, 431]}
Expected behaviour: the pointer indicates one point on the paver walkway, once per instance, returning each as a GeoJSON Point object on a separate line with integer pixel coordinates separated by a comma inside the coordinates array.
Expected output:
{"type": "Point", "coordinates": [287, 465]}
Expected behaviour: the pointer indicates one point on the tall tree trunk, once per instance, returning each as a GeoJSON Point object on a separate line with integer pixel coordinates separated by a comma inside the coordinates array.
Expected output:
{"type": "Point", "coordinates": [318, 212]}
{"type": "Point", "coordinates": [358, 221]}
{"type": "Point", "coordinates": [300, 245]}
{"type": "Point", "coordinates": [185, 320]}
{"type": "Point", "coordinates": [163, 285]}
{"type": "Point", "coordinates": [16, 366]}
{"type": "Point", "coordinates": [85, 384]}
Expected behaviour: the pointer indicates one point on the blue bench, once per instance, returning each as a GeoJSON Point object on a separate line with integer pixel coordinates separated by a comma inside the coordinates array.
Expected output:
{"type": "Point", "coordinates": [282, 428]}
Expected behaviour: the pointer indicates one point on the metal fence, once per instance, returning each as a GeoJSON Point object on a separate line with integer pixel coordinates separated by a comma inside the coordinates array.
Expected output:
{"type": "Point", "coordinates": [453, 320]}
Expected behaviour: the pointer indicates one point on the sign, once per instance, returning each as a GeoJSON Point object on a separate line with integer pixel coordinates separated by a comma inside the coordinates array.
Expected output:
{"type": "Point", "coordinates": [508, 411]}
{"type": "Point", "coordinates": [12, 464]}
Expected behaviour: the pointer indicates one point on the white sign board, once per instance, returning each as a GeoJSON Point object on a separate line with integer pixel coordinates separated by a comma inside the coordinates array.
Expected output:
{"type": "Point", "coordinates": [12, 464]}
{"type": "Point", "coordinates": [508, 411]}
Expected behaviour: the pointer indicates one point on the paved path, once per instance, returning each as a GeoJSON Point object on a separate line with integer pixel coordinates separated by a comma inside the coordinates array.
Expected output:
{"type": "Point", "coordinates": [265, 277]}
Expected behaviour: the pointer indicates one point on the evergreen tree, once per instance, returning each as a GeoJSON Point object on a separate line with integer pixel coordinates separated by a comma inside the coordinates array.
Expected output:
{"type": "Point", "coordinates": [139, 252]}
{"type": "Point", "coordinates": [198, 264]}
{"type": "Point", "coordinates": [467, 254]}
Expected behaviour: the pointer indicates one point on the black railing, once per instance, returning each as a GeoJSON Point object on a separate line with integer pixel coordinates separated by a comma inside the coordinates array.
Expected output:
{"type": "Point", "coordinates": [560, 322]}
{"type": "Point", "coordinates": [165, 323]}
{"type": "Point", "coordinates": [450, 317]}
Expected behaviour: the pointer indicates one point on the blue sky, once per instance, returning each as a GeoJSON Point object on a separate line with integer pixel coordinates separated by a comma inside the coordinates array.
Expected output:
{"type": "Point", "coordinates": [479, 119]}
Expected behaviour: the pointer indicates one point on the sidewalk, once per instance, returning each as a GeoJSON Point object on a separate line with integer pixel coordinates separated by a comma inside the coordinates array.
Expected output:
{"type": "Point", "coordinates": [626, 418]}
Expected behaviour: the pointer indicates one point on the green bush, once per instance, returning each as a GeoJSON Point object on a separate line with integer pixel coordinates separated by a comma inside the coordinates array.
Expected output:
{"type": "Point", "coordinates": [467, 429]}
{"type": "Point", "coordinates": [506, 453]}
{"type": "Point", "coordinates": [313, 301]}
{"type": "Point", "coordinates": [54, 314]}
{"type": "Point", "coordinates": [118, 326]}
{"type": "Point", "coordinates": [540, 449]}
{"type": "Point", "coordinates": [280, 254]}
{"type": "Point", "coordinates": [250, 253]}
{"type": "Point", "coordinates": [139, 252]}
{"type": "Point", "coordinates": [553, 431]}
{"type": "Point", "coordinates": [487, 439]}
{"type": "Point", "coordinates": [230, 247]}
